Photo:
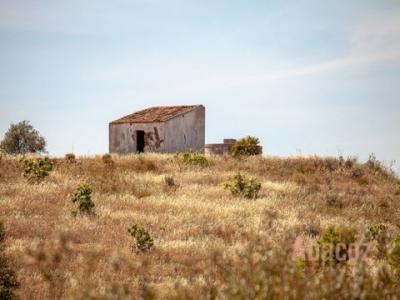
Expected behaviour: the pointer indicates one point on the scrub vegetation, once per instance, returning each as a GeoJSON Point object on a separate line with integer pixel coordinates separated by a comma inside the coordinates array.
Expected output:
{"type": "Point", "coordinates": [247, 146]}
{"type": "Point", "coordinates": [165, 227]}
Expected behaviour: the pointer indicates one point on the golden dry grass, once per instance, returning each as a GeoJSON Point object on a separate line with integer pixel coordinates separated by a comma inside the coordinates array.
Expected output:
{"type": "Point", "coordinates": [57, 255]}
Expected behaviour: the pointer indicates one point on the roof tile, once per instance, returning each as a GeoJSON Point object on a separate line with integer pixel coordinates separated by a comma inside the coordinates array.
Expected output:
{"type": "Point", "coordinates": [155, 114]}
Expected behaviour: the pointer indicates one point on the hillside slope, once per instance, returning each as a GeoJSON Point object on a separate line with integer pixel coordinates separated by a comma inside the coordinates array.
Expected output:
{"type": "Point", "coordinates": [207, 242]}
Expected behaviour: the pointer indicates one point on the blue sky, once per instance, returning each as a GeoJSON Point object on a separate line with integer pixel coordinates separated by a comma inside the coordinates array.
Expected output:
{"type": "Point", "coordinates": [310, 77]}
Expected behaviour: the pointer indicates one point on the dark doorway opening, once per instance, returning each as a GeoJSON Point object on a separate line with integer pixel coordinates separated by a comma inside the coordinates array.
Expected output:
{"type": "Point", "coordinates": [140, 141]}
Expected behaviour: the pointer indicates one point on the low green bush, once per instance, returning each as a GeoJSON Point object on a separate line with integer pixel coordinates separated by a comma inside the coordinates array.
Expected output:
{"type": "Point", "coordinates": [189, 157]}
{"type": "Point", "coordinates": [143, 240]}
{"type": "Point", "coordinates": [240, 186]}
{"type": "Point", "coordinates": [247, 146]}
{"type": "Point", "coordinates": [375, 231]}
{"type": "Point", "coordinates": [83, 196]}
{"type": "Point", "coordinates": [35, 170]}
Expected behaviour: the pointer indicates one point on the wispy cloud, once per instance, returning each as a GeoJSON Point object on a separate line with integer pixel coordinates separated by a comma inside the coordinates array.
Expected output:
{"type": "Point", "coordinates": [221, 80]}
{"type": "Point", "coordinates": [372, 40]}
{"type": "Point", "coordinates": [338, 64]}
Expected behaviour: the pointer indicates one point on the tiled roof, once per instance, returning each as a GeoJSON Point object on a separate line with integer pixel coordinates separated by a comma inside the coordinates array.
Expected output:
{"type": "Point", "coordinates": [155, 114]}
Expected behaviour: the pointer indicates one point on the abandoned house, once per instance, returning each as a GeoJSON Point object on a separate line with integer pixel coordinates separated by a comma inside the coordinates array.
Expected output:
{"type": "Point", "coordinates": [168, 129]}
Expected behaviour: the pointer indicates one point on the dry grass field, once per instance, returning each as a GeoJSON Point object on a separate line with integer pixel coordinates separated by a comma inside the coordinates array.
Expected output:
{"type": "Point", "coordinates": [208, 243]}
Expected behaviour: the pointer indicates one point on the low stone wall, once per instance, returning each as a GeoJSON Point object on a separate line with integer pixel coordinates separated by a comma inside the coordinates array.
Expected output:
{"type": "Point", "coordinates": [219, 149]}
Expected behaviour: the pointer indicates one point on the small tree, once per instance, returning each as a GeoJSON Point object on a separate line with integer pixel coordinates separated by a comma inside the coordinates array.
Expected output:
{"type": "Point", "coordinates": [247, 146]}
{"type": "Point", "coordinates": [22, 138]}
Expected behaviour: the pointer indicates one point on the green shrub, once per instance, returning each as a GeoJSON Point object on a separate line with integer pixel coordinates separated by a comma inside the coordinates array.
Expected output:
{"type": "Point", "coordinates": [394, 258]}
{"type": "Point", "coordinates": [375, 231]}
{"type": "Point", "coordinates": [247, 146]}
{"type": "Point", "coordinates": [83, 196]}
{"type": "Point", "coordinates": [189, 157]}
{"type": "Point", "coordinates": [334, 244]}
{"type": "Point", "coordinates": [143, 240]}
{"type": "Point", "coordinates": [8, 280]}
{"type": "Point", "coordinates": [70, 157]}
{"type": "Point", "coordinates": [242, 187]}
{"type": "Point", "coordinates": [35, 170]}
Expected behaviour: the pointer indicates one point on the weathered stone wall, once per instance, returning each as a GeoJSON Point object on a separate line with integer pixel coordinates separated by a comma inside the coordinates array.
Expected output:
{"type": "Point", "coordinates": [220, 149]}
{"type": "Point", "coordinates": [186, 131]}
{"type": "Point", "coordinates": [122, 137]}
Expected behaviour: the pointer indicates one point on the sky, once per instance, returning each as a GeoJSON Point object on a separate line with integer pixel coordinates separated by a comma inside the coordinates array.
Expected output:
{"type": "Point", "coordinates": [306, 77]}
